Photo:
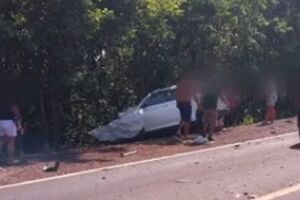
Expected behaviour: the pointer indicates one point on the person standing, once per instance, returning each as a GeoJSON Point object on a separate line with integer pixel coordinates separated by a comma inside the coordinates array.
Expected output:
{"type": "Point", "coordinates": [185, 92]}
{"type": "Point", "coordinates": [298, 116]}
{"type": "Point", "coordinates": [296, 97]}
{"type": "Point", "coordinates": [211, 99]}
{"type": "Point", "coordinates": [210, 113]}
{"type": "Point", "coordinates": [271, 100]}
{"type": "Point", "coordinates": [20, 128]}
{"type": "Point", "coordinates": [8, 128]}
{"type": "Point", "coordinates": [223, 110]}
{"type": "Point", "coordinates": [199, 113]}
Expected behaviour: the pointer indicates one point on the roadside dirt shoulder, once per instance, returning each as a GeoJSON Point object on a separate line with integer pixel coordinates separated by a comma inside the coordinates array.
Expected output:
{"type": "Point", "coordinates": [32, 168]}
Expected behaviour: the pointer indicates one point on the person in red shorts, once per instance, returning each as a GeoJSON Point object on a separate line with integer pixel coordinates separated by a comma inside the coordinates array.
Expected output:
{"type": "Point", "coordinates": [271, 100]}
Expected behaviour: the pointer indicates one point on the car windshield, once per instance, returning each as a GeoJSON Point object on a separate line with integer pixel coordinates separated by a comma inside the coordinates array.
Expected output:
{"type": "Point", "coordinates": [159, 97]}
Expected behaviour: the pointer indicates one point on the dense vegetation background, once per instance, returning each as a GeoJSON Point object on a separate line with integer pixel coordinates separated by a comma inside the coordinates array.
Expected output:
{"type": "Point", "coordinates": [76, 63]}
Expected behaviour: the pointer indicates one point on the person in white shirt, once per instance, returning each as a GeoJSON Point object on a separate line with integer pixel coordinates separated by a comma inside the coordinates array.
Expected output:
{"type": "Point", "coordinates": [271, 98]}
{"type": "Point", "coordinates": [8, 128]}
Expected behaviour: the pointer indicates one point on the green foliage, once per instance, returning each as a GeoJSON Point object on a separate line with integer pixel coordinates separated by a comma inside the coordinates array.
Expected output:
{"type": "Point", "coordinates": [98, 15]}
{"type": "Point", "coordinates": [248, 120]}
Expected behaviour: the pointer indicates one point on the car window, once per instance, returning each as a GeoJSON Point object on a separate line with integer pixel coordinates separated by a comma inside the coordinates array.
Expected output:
{"type": "Point", "coordinates": [160, 97]}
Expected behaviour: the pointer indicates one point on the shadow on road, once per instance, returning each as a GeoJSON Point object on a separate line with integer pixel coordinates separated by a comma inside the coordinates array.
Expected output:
{"type": "Point", "coordinates": [63, 157]}
{"type": "Point", "coordinates": [295, 147]}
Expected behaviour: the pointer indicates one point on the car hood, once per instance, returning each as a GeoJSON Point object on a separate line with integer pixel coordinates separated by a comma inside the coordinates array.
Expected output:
{"type": "Point", "coordinates": [128, 125]}
{"type": "Point", "coordinates": [130, 110]}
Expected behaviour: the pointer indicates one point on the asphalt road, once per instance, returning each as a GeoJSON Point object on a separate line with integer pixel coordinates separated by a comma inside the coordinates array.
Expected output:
{"type": "Point", "coordinates": [236, 172]}
{"type": "Point", "coordinates": [292, 196]}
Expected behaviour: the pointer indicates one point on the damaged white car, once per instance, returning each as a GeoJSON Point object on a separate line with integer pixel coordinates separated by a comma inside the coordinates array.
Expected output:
{"type": "Point", "coordinates": [156, 111]}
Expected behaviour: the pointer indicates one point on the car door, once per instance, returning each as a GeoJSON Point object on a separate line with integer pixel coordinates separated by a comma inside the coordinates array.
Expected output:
{"type": "Point", "coordinates": [159, 110]}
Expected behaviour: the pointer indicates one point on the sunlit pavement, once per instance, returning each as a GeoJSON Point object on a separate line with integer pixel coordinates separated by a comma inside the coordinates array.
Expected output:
{"type": "Point", "coordinates": [253, 169]}
{"type": "Point", "coordinates": [292, 196]}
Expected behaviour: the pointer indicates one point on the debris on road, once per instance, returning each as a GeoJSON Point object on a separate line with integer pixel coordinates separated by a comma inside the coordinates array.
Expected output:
{"type": "Point", "coordinates": [273, 131]}
{"type": "Point", "coordinates": [250, 196]}
{"type": "Point", "coordinates": [52, 167]}
{"type": "Point", "coordinates": [129, 153]}
{"type": "Point", "coordinates": [183, 181]}
{"type": "Point", "coordinates": [199, 140]}
{"type": "Point", "coordinates": [237, 146]}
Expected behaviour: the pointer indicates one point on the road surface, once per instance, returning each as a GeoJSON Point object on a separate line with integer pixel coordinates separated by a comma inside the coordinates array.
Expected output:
{"type": "Point", "coordinates": [255, 169]}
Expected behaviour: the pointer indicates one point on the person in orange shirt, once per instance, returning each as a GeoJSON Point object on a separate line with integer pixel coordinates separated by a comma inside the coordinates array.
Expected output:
{"type": "Point", "coordinates": [185, 92]}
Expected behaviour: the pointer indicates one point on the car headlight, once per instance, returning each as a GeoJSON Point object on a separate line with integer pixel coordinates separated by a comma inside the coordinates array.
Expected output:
{"type": "Point", "coordinates": [120, 115]}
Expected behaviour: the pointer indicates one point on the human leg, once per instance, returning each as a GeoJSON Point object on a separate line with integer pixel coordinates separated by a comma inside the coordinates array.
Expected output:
{"type": "Point", "coordinates": [1, 145]}
{"type": "Point", "coordinates": [213, 119]}
{"type": "Point", "coordinates": [199, 120]}
{"type": "Point", "coordinates": [2, 141]}
{"type": "Point", "coordinates": [180, 127]}
{"type": "Point", "coordinates": [10, 137]}
{"type": "Point", "coordinates": [298, 120]}
{"type": "Point", "coordinates": [273, 113]}
{"type": "Point", "coordinates": [187, 115]}
{"type": "Point", "coordinates": [186, 129]}
{"type": "Point", "coordinates": [2, 137]}
{"type": "Point", "coordinates": [185, 110]}
{"type": "Point", "coordinates": [181, 122]}
{"type": "Point", "coordinates": [270, 114]}
{"type": "Point", "coordinates": [205, 122]}
{"type": "Point", "coordinates": [11, 147]}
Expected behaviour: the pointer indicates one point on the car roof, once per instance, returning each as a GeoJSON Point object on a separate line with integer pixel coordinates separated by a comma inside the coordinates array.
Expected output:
{"type": "Point", "coordinates": [173, 87]}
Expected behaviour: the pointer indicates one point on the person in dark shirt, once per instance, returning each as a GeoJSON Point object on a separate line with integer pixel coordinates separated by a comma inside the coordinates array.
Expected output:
{"type": "Point", "coordinates": [8, 129]}
{"type": "Point", "coordinates": [20, 129]}
{"type": "Point", "coordinates": [210, 113]}
{"type": "Point", "coordinates": [199, 113]}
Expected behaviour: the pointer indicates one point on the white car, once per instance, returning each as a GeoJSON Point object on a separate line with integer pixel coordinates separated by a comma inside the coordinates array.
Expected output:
{"type": "Point", "coordinates": [158, 110]}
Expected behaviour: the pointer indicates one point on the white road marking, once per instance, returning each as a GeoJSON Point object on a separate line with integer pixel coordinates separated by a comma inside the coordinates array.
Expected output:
{"type": "Point", "coordinates": [280, 193]}
{"type": "Point", "coordinates": [146, 161]}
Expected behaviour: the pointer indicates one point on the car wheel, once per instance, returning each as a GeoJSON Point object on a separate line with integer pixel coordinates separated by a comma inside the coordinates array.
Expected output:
{"type": "Point", "coordinates": [141, 135]}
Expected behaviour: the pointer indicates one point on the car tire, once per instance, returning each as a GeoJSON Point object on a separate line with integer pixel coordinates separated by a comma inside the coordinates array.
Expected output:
{"type": "Point", "coordinates": [141, 135]}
